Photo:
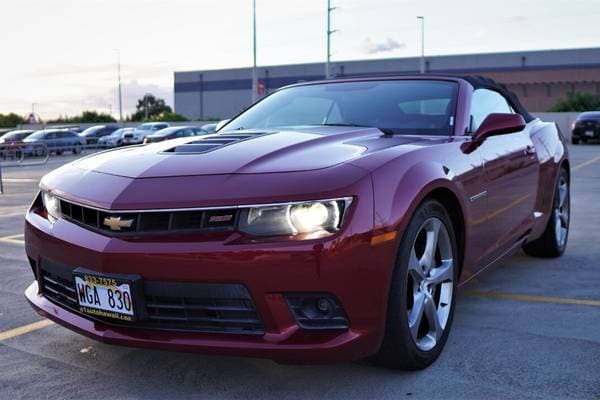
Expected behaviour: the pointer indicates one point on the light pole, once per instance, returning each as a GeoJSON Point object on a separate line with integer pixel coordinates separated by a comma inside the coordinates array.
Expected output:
{"type": "Point", "coordinates": [329, 32]}
{"type": "Point", "coordinates": [422, 18]}
{"type": "Point", "coordinates": [119, 77]}
{"type": "Point", "coordinates": [254, 71]}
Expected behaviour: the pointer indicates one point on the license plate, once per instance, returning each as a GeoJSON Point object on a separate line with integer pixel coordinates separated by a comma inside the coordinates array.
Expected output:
{"type": "Point", "coordinates": [589, 133]}
{"type": "Point", "coordinates": [105, 296]}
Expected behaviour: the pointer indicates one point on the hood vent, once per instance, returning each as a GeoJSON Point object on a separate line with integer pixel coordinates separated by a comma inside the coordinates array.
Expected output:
{"type": "Point", "coordinates": [210, 143]}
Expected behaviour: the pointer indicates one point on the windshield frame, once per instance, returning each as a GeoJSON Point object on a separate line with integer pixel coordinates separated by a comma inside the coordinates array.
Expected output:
{"type": "Point", "coordinates": [460, 103]}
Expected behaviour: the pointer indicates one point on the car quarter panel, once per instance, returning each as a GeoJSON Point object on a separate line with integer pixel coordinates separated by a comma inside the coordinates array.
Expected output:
{"type": "Point", "coordinates": [552, 153]}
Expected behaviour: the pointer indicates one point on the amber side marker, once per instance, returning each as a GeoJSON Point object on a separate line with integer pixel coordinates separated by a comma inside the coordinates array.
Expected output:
{"type": "Point", "coordinates": [538, 299]}
{"type": "Point", "coordinates": [21, 330]}
{"type": "Point", "coordinates": [385, 237]}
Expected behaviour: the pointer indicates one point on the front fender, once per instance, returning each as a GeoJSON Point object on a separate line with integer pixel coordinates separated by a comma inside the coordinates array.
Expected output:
{"type": "Point", "coordinates": [397, 197]}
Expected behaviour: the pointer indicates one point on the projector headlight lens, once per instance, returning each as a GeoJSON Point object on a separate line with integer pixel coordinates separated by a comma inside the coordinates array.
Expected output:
{"type": "Point", "coordinates": [323, 217]}
{"type": "Point", "coordinates": [52, 206]}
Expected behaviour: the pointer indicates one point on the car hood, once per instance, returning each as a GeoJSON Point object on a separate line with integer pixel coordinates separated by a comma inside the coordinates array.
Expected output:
{"type": "Point", "coordinates": [249, 152]}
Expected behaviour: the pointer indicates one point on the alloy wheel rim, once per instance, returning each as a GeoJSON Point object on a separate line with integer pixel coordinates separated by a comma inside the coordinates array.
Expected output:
{"type": "Point", "coordinates": [430, 284]}
{"type": "Point", "coordinates": [561, 212]}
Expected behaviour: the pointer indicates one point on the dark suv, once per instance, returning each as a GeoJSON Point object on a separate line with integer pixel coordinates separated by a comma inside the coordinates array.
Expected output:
{"type": "Point", "coordinates": [586, 126]}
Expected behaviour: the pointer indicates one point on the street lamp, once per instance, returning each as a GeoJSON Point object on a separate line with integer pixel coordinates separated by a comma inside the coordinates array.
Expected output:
{"type": "Point", "coordinates": [119, 78]}
{"type": "Point", "coordinates": [422, 18]}
{"type": "Point", "coordinates": [254, 71]}
{"type": "Point", "coordinates": [329, 32]}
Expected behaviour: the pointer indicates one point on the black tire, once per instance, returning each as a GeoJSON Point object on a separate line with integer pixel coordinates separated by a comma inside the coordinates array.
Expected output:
{"type": "Point", "coordinates": [549, 244]}
{"type": "Point", "coordinates": [59, 152]}
{"type": "Point", "coordinates": [574, 140]}
{"type": "Point", "coordinates": [399, 349]}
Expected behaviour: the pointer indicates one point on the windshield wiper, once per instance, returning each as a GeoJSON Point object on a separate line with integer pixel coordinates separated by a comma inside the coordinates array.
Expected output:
{"type": "Point", "coordinates": [386, 131]}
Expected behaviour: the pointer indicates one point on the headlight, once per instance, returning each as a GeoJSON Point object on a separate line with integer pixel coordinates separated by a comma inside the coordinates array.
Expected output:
{"type": "Point", "coordinates": [323, 217]}
{"type": "Point", "coordinates": [52, 206]}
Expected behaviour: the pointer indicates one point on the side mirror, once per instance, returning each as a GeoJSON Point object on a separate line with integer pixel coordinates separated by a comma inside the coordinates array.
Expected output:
{"type": "Point", "coordinates": [494, 125]}
{"type": "Point", "coordinates": [221, 124]}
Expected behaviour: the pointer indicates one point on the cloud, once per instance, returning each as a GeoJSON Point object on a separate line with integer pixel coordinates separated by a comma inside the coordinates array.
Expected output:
{"type": "Point", "coordinates": [389, 44]}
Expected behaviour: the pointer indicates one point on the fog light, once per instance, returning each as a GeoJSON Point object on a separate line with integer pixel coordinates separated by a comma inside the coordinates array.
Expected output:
{"type": "Point", "coordinates": [323, 305]}
{"type": "Point", "coordinates": [317, 311]}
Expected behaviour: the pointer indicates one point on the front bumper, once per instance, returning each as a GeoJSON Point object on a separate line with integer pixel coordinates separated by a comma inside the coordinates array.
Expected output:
{"type": "Point", "coordinates": [347, 266]}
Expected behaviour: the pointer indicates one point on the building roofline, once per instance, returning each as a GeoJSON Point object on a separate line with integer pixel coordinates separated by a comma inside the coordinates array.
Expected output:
{"type": "Point", "coordinates": [427, 57]}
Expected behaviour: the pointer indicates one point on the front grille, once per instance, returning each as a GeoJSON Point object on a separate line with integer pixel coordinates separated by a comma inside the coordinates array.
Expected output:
{"type": "Point", "coordinates": [195, 307]}
{"type": "Point", "coordinates": [150, 222]}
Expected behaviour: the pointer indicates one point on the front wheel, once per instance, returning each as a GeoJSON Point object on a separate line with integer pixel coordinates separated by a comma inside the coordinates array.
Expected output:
{"type": "Point", "coordinates": [422, 292]}
{"type": "Point", "coordinates": [553, 241]}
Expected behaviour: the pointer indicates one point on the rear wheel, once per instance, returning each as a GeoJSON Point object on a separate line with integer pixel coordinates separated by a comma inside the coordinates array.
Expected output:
{"type": "Point", "coordinates": [553, 241]}
{"type": "Point", "coordinates": [574, 140]}
{"type": "Point", "coordinates": [422, 291]}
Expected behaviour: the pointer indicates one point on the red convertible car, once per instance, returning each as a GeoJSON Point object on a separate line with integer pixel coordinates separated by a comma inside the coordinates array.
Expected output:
{"type": "Point", "coordinates": [331, 221]}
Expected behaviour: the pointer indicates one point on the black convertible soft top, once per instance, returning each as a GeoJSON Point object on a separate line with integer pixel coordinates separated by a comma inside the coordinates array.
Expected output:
{"type": "Point", "coordinates": [481, 82]}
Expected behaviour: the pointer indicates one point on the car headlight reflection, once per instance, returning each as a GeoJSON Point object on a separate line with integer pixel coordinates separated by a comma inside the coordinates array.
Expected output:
{"type": "Point", "coordinates": [323, 217]}
{"type": "Point", "coordinates": [52, 206]}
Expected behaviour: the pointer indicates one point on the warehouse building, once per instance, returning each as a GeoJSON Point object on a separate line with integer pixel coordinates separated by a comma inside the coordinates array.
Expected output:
{"type": "Point", "coordinates": [539, 78]}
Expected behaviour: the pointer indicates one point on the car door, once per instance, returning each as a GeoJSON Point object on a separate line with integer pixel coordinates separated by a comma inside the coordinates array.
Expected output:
{"type": "Point", "coordinates": [511, 174]}
{"type": "Point", "coordinates": [50, 140]}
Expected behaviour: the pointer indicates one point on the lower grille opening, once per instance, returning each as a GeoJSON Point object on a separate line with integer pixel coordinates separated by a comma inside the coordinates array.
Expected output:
{"type": "Point", "coordinates": [195, 307]}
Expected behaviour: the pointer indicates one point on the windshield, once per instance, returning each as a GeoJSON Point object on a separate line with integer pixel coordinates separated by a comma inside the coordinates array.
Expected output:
{"type": "Point", "coordinates": [118, 132]}
{"type": "Point", "coordinates": [145, 127]}
{"type": "Point", "coordinates": [395, 106]}
{"type": "Point", "coordinates": [16, 135]}
{"type": "Point", "coordinates": [167, 131]}
{"type": "Point", "coordinates": [37, 135]}
{"type": "Point", "coordinates": [91, 131]}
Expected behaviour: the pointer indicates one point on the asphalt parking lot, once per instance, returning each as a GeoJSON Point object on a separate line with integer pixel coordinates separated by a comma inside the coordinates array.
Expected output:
{"type": "Point", "coordinates": [527, 329]}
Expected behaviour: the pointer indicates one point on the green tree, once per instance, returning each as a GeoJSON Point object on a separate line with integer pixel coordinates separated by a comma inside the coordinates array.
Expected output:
{"type": "Point", "coordinates": [148, 107]}
{"type": "Point", "coordinates": [10, 120]}
{"type": "Point", "coordinates": [577, 102]}
{"type": "Point", "coordinates": [93, 117]}
{"type": "Point", "coordinates": [168, 117]}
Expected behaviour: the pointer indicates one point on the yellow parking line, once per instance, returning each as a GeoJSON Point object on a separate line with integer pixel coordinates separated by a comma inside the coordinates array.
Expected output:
{"type": "Point", "coordinates": [539, 299]}
{"type": "Point", "coordinates": [17, 180]}
{"type": "Point", "coordinates": [585, 164]}
{"type": "Point", "coordinates": [21, 330]}
{"type": "Point", "coordinates": [14, 239]}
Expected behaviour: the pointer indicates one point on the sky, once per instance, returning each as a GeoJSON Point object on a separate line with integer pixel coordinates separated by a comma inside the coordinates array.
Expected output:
{"type": "Point", "coordinates": [62, 54]}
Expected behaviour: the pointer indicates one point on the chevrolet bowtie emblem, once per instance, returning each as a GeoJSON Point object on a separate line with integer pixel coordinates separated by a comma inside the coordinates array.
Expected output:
{"type": "Point", "coordinates": [115, 223]}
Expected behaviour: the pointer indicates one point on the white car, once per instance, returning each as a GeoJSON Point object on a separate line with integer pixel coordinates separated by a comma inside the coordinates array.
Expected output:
{"type": "Point", "coordinates": [115, 139]}
{"type": "Point", "coordinates": [143, 130]}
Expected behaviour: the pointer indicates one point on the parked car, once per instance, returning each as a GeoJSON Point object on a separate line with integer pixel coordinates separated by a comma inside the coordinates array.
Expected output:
{"type": "Point", "coordinates": [585, 127]}
{"type": "Point", "coordinates": [210, 128]}
{"type": "Point", "coordinates": [115, 139]}
{"type": "Point", "coordinates": [143, 130]}
{"type": "Point", "coordinates": [174, 132]}
{"type": "Point", "coordinates": [92, 134]}
{"type": "Point", "coordinates": [53, 141]}
{"type": "Point", "coordinates": [330, 221]}
{"type": "Point", "coordinates": [12, 142]}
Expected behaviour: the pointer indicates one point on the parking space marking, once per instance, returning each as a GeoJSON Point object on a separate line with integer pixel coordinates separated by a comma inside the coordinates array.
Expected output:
{"type": "Point", "coordinates": [528, 297]}
{"type": "Point", "coordinates": [14, 239]}
{"type": "Point", "coordinates": [19, 180]}
{"type": "Point", "coordinates": [21, 330]}
{"type": "Point", "coordinates": [586, 163]}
